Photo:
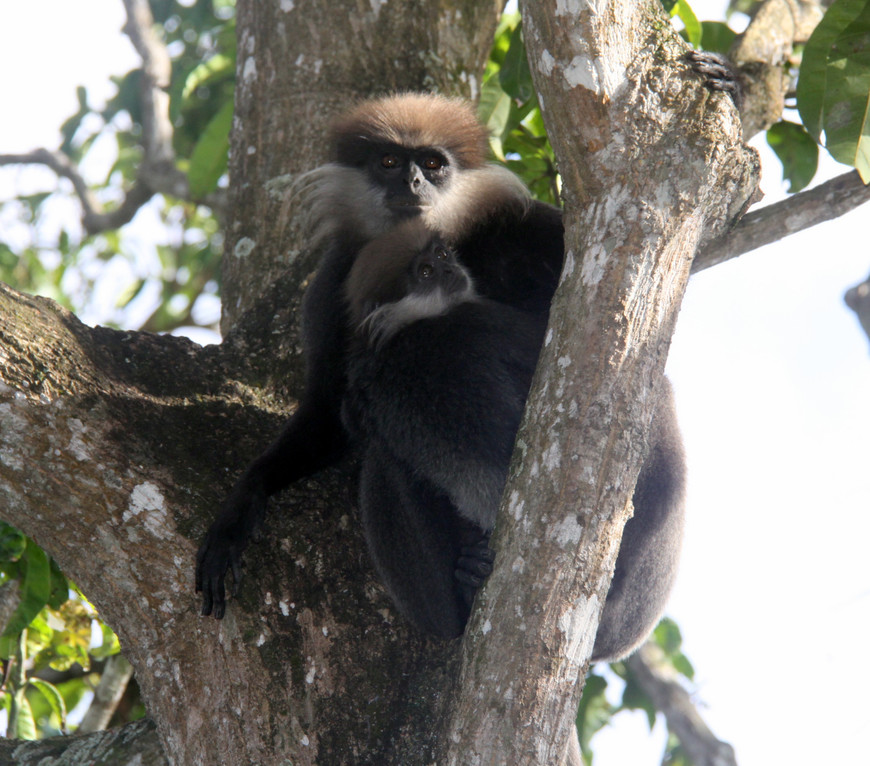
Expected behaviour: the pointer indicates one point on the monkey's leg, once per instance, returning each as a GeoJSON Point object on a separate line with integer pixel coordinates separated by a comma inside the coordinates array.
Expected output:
{"type": "Point", "coordinates": [413, 537]}
{"type": "Point", "coordinates": [649, 553]}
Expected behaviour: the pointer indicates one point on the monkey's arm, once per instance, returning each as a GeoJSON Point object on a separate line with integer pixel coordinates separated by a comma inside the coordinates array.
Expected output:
{"type": "Point", "coordinates": [312, 439]}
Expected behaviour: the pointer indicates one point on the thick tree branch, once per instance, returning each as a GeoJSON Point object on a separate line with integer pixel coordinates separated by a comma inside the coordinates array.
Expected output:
{"type": "Point", "coordinates": [651, 163]}
{"type": "Point", "coordinates": [136, 744]}
{"type": "Point", "coordinates": [700, 744]}
{"type": "Point", "coordinates": [772, 223]}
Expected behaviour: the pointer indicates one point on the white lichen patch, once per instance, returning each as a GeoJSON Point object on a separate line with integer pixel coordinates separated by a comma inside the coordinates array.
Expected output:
{"type": "Point", "coordinates": [578, 642]}
{"type": "Point", "coordinates": [284, 607]}
{"type": "Point", "coordinates": [147, 501]}
{"type": "Point", "coordinates": [593, 266]}
{"type": "Point", "coordinates": [244, 247]}
{"type": "Point", "coordinates": [249, 70]}
{"type": "Point", "coordinates": [548, 63]}
{"type": "Point", "coordinates": [568, 7]}
{"type": "Point", "coordinates": [552, 457]}
{"type": "Point", "coordinates": [515, 505]}
{"type": "Point", "coordinates": [567, 532]}
{"type": "Point", "coordinates": [287, 5]}
{"type": "Point", "coordinates": [77, 447]}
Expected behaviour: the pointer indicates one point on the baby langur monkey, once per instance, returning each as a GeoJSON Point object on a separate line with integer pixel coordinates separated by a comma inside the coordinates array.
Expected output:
{"type": "Point", "coordinates": [406, 275]}
{"type": "Point", "coordinates": [437, 382]}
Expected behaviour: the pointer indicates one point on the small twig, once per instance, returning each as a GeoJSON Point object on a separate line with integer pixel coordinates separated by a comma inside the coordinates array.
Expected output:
{"type": "Point", "coordinates": [700, 744]}
{"type": "Point", "coordinates": [774, 222]}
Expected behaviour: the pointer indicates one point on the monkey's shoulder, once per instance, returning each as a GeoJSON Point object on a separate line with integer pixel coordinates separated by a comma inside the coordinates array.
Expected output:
{"type": "Point", "coordinates": [517, 259]}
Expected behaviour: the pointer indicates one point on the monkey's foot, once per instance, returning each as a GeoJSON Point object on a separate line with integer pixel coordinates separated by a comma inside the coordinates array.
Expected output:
{"type": "Point", "coordinates": [473, 566]}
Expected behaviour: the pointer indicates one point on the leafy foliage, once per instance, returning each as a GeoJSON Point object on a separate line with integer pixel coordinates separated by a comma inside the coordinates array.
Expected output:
{"type": "Point", "coordinates": [113, 277]}
{"type": "Point", "coordinates": [834, 87]}
{"type": "Point", "coordinates": [509, 108]}
{"type": "Point", "coordinates": [596, 711]}
{"type": "Point", "coordinates": [51, 626]}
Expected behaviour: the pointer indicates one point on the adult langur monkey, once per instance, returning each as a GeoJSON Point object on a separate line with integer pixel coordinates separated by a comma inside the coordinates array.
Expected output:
{"type": "Point", "coordinates": [422, 158]}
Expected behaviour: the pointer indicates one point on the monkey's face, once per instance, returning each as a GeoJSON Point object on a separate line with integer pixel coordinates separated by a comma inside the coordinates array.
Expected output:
{"type": "Point", "coordinates": [435, 269]}
{"type": "Point", "coordinates": [412, 179]}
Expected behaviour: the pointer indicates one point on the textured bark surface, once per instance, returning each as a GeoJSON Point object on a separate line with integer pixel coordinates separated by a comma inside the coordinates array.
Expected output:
{"type": "Point", "coordinates": [653, 164]}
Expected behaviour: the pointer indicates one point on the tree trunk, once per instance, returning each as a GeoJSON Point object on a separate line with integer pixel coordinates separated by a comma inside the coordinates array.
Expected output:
{"type": "Point", "coordinates": [123, 444]}
{"type": "Point", "coordinates": [653, 164]}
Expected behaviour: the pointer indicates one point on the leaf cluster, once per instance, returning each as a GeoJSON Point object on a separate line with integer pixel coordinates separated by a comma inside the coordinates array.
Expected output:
{"type": "Point", "coordinates": [596, 711]}
{"type": "Point", "coordinates": [51, 626]}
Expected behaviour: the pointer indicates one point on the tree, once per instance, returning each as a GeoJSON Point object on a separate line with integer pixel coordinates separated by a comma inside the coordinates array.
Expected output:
{"type": "Point", "coordinates": [121, 432]}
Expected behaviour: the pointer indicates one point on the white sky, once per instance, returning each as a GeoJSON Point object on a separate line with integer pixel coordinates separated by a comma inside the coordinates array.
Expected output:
{"type": "Point", "coordinates": [772, 376]}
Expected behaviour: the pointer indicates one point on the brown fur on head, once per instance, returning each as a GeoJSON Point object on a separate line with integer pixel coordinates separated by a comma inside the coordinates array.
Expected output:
{"type": "Point", "coordinates": [377, 275]}
{"type": "Point", "coordinates": [413, 120]}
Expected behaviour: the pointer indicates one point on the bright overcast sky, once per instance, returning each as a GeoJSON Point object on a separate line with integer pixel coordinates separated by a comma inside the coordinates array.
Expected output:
{"type": "Point", "coordinates": [772, 376]}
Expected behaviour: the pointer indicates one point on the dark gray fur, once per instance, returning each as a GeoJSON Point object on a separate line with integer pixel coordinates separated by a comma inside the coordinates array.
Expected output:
{"type": "Point", "coordinates": [432, 518]}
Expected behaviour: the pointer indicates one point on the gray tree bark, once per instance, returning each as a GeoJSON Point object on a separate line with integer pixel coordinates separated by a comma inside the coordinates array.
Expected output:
{"type": "Point", "coordinates": [653, 165]}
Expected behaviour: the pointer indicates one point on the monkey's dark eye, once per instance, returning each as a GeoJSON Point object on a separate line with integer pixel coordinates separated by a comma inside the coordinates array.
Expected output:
{"type": "Point", "coordinates": [425, 271]}
{"type": "Point", "coordinates": [441, 254]}
{"type": "Point", "coordinates": [389, 161]}
{"type": "Point", "coordinates": [433, 163]}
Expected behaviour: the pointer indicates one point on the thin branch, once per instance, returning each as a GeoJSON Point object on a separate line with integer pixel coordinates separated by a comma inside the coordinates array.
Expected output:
{"type": "Point", "coordinates": [700, 744]}
{"type": "Point", "coordinates": [113, 683]}
{"type": "Point", "coordinates": [157, 131]}
{"type": "Point", "coordinates": [774, 222]}
{"type": "Point", "coordinates": [94, 216]}
{"type": "Point", "coordinates": [158, 172]}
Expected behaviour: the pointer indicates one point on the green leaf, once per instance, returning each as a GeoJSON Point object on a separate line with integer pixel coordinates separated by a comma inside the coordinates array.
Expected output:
{"type": "Point", "coordinates": [833, 92]}
{"type": "Point", "coordinates": [797, 151]}
{"type": "Point", "coordinates": [217, 69]}
{"type": "Point", "coordinates": [34, 594]}
{"type": "Point", "coordinates": [12, 543]}
{"type": "Point", "coordinates": [53, 697]}
{"type": "Point", "coordinates": [515, 76]}
{"type": "Point", "coordinates": [593, 713]}
{"type": "Point", "coordinates": [692, 32]}
{"type": "Point", "coordinates": [59, 586]}
{"type": "Point", "coordinates": [635, 698]}
{"type": "Point", "coordinates": [21, 723]}
{"type": "Point", "coordinates": [716, 36]}
{"type": "Point", "coordinates": [494, 110]}
{"type": "Point", "coordinates": [208, 161]}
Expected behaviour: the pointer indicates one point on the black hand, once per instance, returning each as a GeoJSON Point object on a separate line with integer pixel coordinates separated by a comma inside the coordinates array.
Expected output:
{"type": "Point", "coordinates": [719, 73]}
{"type": "Point", "coordinates": [221, 550]}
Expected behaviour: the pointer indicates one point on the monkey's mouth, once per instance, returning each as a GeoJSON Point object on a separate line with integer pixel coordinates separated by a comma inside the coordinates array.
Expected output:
{"type": "Point", "coordinates": [406, 208]}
